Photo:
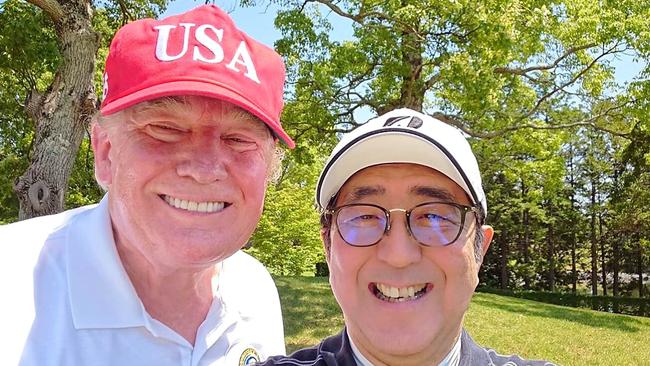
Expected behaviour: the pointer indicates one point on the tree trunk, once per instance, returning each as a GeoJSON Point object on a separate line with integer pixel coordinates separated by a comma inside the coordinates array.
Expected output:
{"type": "Point", "coordinates": [62, 113]}
{"type": "Point", "coordinates": [594, 247]}
{"type": "Point", "coordinates": [411, 84]}
{"type": "Point", "coordinates": [603, 270]}
{"type": "Point", "coordinates": [503, 261]}
{"type": "Point", "coordinates": [574, 270]}
{"type": "Point", "coordinates": [615, 270]}
{"type": "Point", "coordinates": [412, 88]}
{"type": "Point", "coordinates": [526, 239]}
{"type": "Point", "coordinates": [572, 183]}
{"type": "Point", "coordinates": [551, 258]}
{"type": "Point", "coordinates": [615, 266]}
{"type": "Point", "coordinates": [639, 268]}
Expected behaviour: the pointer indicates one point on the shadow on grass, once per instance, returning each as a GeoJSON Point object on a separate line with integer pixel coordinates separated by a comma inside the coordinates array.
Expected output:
{"type": "Point", "coordinates": [532, 308]}
{"type": "Point", "coordinates": [309, 310]}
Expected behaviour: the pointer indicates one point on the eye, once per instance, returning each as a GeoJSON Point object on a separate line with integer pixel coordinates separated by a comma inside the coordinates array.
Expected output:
{"type": "Point", "coordinates": [240, 142]}
{"type": "Point", "coordinates": [363, 220]}
{"type": "Point", "coordinates": [163, 132]}
{"type": "Point", "coordinates": [435, 219]}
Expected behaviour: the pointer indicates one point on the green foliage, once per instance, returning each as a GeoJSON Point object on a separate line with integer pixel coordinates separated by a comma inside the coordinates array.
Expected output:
{"type": "Point", "coordinates": [82, 187]}
{"type": "Point", "coordinates": [287, 239]}
{"type": "Point", "coordinates": [28, 48]}
{"type": "Point", "coordinates": [8, 200]}
{"type": "Point", "coordinates": [491, 64]}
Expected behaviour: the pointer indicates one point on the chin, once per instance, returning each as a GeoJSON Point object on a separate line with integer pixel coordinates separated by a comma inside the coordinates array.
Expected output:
{"type": "Point", "coordinates": [200, 250]}
{"type": "Point", "coordinates": [401, 344]}
{"type": "Point", "coordinates": [400, 339]}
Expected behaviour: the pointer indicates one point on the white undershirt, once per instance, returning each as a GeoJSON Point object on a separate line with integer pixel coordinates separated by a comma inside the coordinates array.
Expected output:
{"type": "Point", "coordinates": [452, 358]}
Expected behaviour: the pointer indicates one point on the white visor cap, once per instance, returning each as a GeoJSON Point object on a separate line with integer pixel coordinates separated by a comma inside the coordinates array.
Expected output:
{"type": "Point", "coordinates": [402, 136]}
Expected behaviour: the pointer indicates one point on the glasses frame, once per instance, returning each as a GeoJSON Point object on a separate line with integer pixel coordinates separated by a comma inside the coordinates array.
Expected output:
{"type": "Point", "coordinates": [463, 208]}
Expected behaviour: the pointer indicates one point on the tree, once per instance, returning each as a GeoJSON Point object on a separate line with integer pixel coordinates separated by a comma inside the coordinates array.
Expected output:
{"type": "Point", "coordinates": [28, 58]}
{"type": "Point", "coordinates": [488, 67]}
{"type": "Point", "coordinates": [287, 238]}
{"type": "Point", "coordinates": [521, 78]}
{"type": "Point", "coordinates": [61, 111]}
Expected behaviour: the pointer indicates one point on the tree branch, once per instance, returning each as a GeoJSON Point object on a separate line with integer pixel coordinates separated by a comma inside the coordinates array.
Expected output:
{"type": "Point", "coordinates": [568, 83]}
{"type": "Point", "coordinates": [126, 14]}
{"type": "Point", "coordinates": [589, 122]}
{"type": "Point", "coordinates": [523, 72]}
{"type": "Point", "coordinates": [359, 18]}
{"type": "Point", "coordinates": [335, 9]}
{"type": "Point", "coordinates": [51, 7]}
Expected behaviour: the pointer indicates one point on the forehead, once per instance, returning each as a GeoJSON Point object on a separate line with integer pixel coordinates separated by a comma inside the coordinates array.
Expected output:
{"type": "Point", "coordinates": [195, 109]}
{"type": "Point", "coordinates": [398, 180]}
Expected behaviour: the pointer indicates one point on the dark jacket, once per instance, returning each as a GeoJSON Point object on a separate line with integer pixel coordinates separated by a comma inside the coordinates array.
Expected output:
{"type": "Point", "coordinates": [336, 351]}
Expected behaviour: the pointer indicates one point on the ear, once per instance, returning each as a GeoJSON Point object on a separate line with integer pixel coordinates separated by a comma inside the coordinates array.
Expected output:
{"type": "Point", "coordinates": [488, 234]}
{"type": "Point", "coordinates": [101, 148]}
{"type": "Point", "coordinates": [327, 242]}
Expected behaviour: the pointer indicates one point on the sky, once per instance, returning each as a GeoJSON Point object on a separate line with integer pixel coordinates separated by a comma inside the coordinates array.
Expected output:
{"type": "Point", "coordinates": [255, 21]}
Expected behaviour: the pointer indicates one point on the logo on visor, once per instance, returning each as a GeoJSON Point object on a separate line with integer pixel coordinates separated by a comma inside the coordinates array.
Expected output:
{"type": "Point", "coordinates": [401, 121]}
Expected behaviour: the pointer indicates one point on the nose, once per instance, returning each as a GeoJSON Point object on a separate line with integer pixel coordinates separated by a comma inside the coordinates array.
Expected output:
{"type": "Point", "coordinates": [205, 162]}
{"type": "Point", "coordinates": [397, 247]}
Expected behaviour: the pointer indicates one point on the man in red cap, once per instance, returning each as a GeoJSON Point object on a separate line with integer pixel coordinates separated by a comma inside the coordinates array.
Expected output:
{"type": "Point", "coordinates": [185, 143]}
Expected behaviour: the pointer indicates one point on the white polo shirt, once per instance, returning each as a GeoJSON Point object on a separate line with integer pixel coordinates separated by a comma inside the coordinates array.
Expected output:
{"type": "Point", "coordinates": [66, 300]}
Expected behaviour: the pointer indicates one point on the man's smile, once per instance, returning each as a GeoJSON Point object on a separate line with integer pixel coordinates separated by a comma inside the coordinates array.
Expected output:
{"type": "Point", "coordinates": [194, 206]}
{"type": "Point", "coordinates": [399, 294]}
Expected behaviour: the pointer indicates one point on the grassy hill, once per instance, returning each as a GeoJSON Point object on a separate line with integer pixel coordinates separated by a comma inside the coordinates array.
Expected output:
{"type": "Point", "coordinates": [531, 329]}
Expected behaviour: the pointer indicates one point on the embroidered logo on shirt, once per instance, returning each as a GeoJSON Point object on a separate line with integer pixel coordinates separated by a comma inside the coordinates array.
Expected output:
{"type": "Point", "coordinates": [249, 357]}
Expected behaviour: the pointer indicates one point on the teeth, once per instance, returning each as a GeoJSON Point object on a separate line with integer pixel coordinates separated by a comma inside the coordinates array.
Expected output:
{"type": "Point", "coordinates": [194, 206]}
{"type": "Point", "coordinates": [391, 293]}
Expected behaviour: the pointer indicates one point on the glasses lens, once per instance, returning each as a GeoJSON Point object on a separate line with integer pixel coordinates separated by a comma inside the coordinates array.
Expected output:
{"type": "Point", "coordinates": [436, 224]}
{"type": "Point", "coordinates": [361, 225]}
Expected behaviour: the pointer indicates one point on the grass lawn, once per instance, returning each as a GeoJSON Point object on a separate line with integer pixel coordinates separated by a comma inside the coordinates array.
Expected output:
{"type": "Point", "coordinates": [531, 329]}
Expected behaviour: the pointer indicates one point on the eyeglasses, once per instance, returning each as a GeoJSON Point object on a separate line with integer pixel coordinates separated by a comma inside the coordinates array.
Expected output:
{"type": "Point", "coordinates": [430, 223]}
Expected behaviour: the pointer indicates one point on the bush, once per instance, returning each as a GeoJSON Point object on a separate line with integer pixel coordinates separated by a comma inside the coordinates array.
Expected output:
{"type": "Point", "coordinates": [621, 305]}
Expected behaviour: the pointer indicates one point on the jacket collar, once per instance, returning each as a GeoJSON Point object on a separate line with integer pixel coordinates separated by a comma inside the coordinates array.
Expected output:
{"type": "Point", "coordinates": [471, 353]}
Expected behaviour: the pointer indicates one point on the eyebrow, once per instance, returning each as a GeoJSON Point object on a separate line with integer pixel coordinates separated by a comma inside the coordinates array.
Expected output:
{"type": "Point", "coordinates": [433, 192]}
{"type": "Point", "coordinates": [362, 192]}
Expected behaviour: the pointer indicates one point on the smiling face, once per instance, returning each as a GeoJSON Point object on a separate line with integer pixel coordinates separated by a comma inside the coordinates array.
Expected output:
{"type": "Point", "coordinates": [403, 303]}
{"type": "Point", "coordinates": [186, 179]}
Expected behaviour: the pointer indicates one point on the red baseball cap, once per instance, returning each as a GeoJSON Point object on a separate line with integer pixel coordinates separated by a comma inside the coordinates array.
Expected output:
{"type": "Point", "coordinates": [199, 52]}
